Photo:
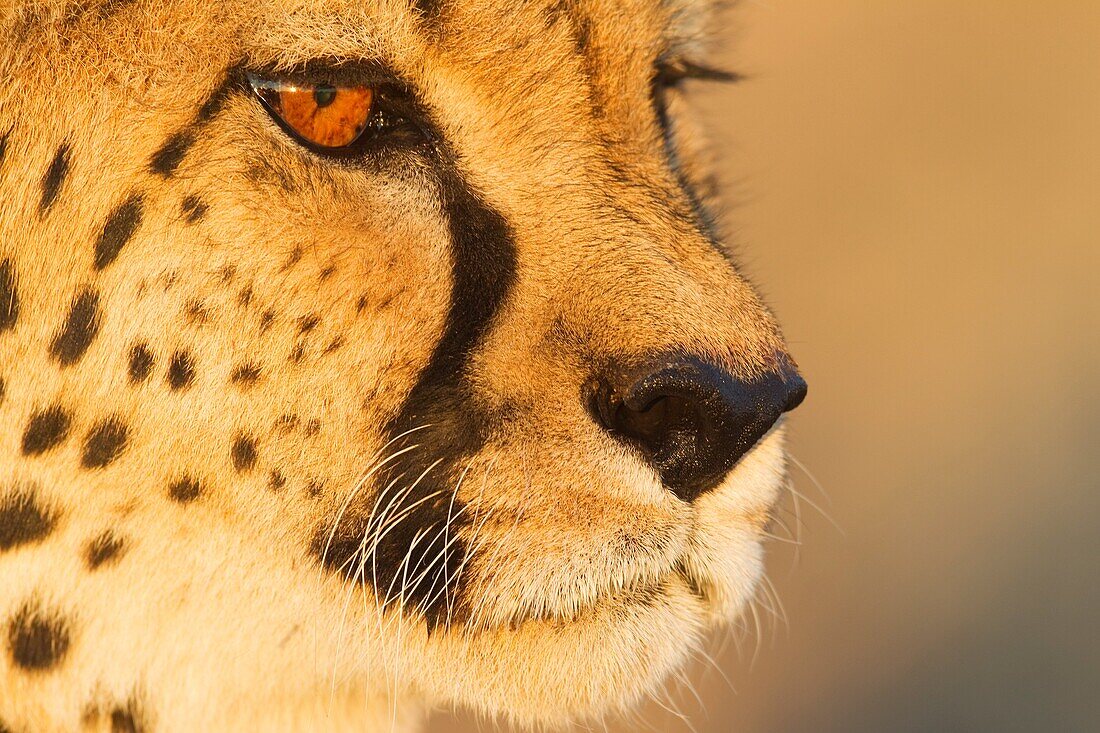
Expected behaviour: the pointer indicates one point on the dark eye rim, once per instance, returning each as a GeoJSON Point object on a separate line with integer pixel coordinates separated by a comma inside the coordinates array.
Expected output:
{"type": "Point", "coordinates": [398, 122]}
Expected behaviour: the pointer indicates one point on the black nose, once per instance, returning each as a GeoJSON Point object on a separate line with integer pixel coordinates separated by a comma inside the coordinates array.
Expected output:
{"type": "Point", "coordinates": [692, 420]}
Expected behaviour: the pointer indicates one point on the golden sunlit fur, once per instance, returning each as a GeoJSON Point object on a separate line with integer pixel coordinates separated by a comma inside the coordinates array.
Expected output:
{"type": "Point", "coordinates": [283, 306]}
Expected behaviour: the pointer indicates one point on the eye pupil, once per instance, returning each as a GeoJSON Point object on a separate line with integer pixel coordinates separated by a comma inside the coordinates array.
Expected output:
{"type": "Point", "coordinates": [324, 96]}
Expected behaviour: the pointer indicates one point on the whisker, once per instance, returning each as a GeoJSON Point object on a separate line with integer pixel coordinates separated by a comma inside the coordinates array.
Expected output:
{"type": "Point", "coordinates": [777, 538]}
{"type": "Point", "coordinates": [809, 475]}
{"type": "Point", "coordinates": [822, 512]}
{"type": "Point", "coordinates": [351, 495]}
{"type": "Point", "coordinates": [778, 603]}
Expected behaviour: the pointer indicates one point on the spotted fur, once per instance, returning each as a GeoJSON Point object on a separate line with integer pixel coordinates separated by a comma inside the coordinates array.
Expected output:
{"type": "Point", "coordinates": [289, 443]}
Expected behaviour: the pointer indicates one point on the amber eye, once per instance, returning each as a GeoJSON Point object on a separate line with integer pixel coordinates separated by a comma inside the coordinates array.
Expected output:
{"type": "Point", "coordinates": [328, 116]}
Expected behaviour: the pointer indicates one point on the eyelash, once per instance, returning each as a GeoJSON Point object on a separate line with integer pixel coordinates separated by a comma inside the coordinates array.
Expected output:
{"type": "Point", "coordinates": [670, 75]}
{"type": "Point", "coordinates": [673, 72]}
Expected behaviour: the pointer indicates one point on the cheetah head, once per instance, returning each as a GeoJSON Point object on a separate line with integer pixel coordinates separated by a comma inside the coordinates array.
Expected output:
{"type": "Point", "coordinates": [358, 356]}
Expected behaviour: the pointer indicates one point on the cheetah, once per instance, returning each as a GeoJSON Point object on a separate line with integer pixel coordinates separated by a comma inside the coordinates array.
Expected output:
{"type": "Point", "coordinates": [360, 358]}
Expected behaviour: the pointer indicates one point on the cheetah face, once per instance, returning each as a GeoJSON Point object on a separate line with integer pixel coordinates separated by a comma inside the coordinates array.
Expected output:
{"type": "Point", "coordinates": [381, 346]}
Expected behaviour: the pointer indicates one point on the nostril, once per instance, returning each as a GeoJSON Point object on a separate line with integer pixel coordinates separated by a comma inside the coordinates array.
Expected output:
{"type": "Point", "coordinates": [644, 424]}
{"type": "Point", "coordinates": [690, 420]}
{"type": "Point", "coordinates": [649, 411]}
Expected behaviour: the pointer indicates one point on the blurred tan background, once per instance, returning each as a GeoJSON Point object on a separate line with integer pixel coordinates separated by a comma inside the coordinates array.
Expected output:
{"type": "Point", "coordinates": [915, 186]}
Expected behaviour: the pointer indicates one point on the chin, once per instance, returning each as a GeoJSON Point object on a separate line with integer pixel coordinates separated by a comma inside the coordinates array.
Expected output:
{"type": "Point", "coordinates": [583, 658]}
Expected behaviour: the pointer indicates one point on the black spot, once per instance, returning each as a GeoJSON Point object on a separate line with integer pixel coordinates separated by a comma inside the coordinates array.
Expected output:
{"type": "Point", "coordinates": [430, 11]}
{"type": "Point", "coordinates": [581, 31]}
{"type": "Point", "coordinates": [194, 209]}
{"type": "Point", "coordinates": [46, 430]}
{"type": "Point", "coordinates": [23, 519]}
{"type": "Point", "coordinates": [3, 390]}
{"type": "Point", "coordinates": [54, 177]}
{"type": "Point", "coordinates": [120, 227]}
{"type": "Point", "coordinates": [312, 427]}
{"type": "Point", "coordinates": [244, 298]}
{"type": "Point", "coordinates": [104, 443]}
{"type": "Point", "coordinates": [298, 353]}
{"type": "Point", "coordinates": [287, 423]}
{"type": "Point", "coordinates": [216, 102]}
{"type": "Point", "coordinates": [243, 453]}
{"type": "Point", "coordinates": [27, 21]}
{"type": "Point", "coordinates": [73, 12]}
{"type": "Point", "coordinates": [9, 297]}
{"type": "Point", "coordinates": [81, 327]}
{"type": "Point", "coordinates": [185, 489]}
{"type": "Point", "coordinates": [276, 480]}
{"type": "Point", "coordinates": [111, 7]}
{"type": "Point", "coordinates": [245, 375]}
{"type": "Point", "coordinates": [196, 312]}
{"type": "Point", "coordinates": [326, 273]}
{"type": "Point", "coordinates": [315, 487]}
{"type": "Point", "coordinates": [141, 363]}
{"type": "Point", "coordinates": [266, 320]}
{"type": "Point", "coordinates": [105, 548]}
{"type": "Point", "coordinates": [308, 323]}
{"type": "Point", "coordinates": [416, 561]}
{"type": "Point", "coordinates": [127, 719]}
{"type": "Point", "coordinates": [181, 370]}
{"type": "Point", "coordinates": [169, 156]}
{"type": "Point", "coordinates": [268, 172]}
{"type": "Point", "coordinates": [227, 273]}
{"type": "Point", "coordinates": [293, 259]}
{"type": "Point", "coordinates": [335, 345]}
{"type": "Point", "coordinates": [38, 639]}
{"type": "Point", "coordinates": [361, 304]}
{"type": "Point", "coordinates": [3, 153]}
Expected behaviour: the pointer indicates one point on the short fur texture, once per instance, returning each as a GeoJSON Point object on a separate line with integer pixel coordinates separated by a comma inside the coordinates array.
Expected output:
{"type": "Point", "coordinates": [231, 370]}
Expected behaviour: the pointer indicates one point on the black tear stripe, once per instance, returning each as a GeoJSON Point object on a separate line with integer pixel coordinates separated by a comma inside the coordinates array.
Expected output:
{"type": "Point", "coordinates": [417, 559]}
{"type": "Point", "coordinates": [120, 227]}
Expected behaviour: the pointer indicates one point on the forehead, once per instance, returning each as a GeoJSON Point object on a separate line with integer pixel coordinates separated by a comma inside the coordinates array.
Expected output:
{"type": "Point", "coordinates": [481, 31]}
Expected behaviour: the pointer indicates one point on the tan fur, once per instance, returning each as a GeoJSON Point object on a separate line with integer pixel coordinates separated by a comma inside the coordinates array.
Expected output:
{"type": "Point", "coordinates": [216, 617]}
